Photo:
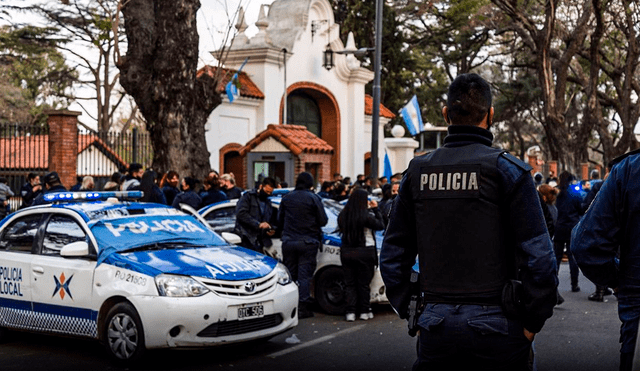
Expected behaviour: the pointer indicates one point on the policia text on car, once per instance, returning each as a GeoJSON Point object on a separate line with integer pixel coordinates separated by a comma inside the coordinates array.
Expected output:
{"type": "Point", "coordinates": [471, 214]}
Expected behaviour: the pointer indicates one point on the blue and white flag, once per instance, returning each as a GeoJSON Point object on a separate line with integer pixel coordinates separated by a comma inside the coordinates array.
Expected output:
{"type": "Point", "coordinates": [412, 117]}
{"type": "Point", "coordinates": [232, 85]}
{"type": "Point", "coordinates": [387, 166]}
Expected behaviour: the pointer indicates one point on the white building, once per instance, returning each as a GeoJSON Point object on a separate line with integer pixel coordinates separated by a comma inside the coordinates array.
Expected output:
{"type": "Point", "coordinates": [288, 51]}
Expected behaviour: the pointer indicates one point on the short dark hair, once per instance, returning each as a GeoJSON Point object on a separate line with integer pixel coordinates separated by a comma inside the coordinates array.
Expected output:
{"type": "Point", "coordinates": [134, 167]}
{"type": "Point", "coordinates": [191, 182]}
{"type": "Point", "coordinates": [32, 176]}
{"type": "Point", "coordinates": [468, 100]}
{"type": "Point", "coordinates": [269, 181]}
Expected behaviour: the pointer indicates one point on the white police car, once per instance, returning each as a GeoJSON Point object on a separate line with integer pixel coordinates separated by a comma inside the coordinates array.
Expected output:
{"type": "Point", "coordinates": [135, 276]}
{"type": "Point", "coordinates": [328, 279]}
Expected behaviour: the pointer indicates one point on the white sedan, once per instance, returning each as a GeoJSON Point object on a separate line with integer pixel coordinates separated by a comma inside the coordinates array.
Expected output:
{"type": "Point", "coordinates": [328, 279]}
{"type": "Point", "coordinates": [136, 276]}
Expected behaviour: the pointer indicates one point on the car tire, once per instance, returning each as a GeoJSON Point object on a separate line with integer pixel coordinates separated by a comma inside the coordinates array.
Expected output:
{"type": "Point", "coordinates": [123, 334]}
{"type": "Point", "coordinates": [330, 291]}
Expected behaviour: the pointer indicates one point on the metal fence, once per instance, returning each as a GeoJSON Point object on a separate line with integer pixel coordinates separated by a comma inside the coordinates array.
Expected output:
{"type": "Point", "coordinates": [24, 149]}
{"type": "Point", "coordinates": [101, 154]}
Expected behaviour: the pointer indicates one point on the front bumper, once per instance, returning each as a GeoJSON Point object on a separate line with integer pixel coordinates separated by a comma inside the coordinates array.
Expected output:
{"type": "Point", "coordinates": [212, 319]}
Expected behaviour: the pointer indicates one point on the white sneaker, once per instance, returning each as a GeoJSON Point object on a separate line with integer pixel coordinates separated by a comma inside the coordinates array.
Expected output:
{"type": "Point", "coordinates": [370, 314]}
{"type": "Point", "coordinates": [351, 317]}
{"type": "Point", "coordinates": [364, 316]}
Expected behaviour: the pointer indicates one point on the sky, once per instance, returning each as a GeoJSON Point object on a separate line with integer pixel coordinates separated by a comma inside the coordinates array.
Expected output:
{"type": "Point", "coordinates": [212, 23]}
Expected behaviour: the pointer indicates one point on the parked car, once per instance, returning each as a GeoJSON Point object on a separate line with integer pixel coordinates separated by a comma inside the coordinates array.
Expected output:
{"type": "Point", "coordinates": [328, 281]}
{"type": "Point", "coordinates": [135, 276]}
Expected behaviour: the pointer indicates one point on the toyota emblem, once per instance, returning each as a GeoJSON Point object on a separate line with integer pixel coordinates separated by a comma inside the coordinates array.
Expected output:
{"type": "Point", "coordinates": [249, 286]}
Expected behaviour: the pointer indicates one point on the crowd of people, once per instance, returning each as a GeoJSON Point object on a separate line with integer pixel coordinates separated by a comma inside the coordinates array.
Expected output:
{"type": "Point", "coordinates": [164, 188]}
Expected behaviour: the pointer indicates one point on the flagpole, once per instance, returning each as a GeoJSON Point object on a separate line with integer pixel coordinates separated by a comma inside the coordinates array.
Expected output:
{"type": "Point", "coordinates": [284, 63]}
{"type": "Point", "coordinates": [375, 119]}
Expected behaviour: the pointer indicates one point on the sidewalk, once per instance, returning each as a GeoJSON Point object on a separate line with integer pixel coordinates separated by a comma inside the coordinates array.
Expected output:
{"type": "Point", "coordinates": [581, 335]}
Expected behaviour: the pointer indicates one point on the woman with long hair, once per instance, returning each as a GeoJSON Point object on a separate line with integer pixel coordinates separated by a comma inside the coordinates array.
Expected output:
{"type": "Point", "coordinates": [358, 253]}
{"type": "Point", "coordinates": [152, 192]}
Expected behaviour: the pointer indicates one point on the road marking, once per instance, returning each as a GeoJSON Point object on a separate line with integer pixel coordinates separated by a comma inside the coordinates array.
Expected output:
{"type": "Point", "coordinates": [316, 341]}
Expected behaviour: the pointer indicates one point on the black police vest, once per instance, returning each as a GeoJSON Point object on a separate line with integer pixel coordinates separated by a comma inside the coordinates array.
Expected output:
{"type": "Point", "coordinates": [461, 234]}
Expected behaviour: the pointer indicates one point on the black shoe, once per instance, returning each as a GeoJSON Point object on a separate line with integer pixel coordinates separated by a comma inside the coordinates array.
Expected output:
{"type": "Point", "coordinates": [560, 299]}
{"type": "Point", "coordinates": [575, 288]}
{"type": "Point", "coordinates": [597, 296]}
{"type": "Point", "coordinates": [608, 291]}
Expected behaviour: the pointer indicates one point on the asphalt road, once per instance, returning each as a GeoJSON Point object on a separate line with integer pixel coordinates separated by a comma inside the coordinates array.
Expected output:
{"type": "Point", "coordinates": [581, 335]}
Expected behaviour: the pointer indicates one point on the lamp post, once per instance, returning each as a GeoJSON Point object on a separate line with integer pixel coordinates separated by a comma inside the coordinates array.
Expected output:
{"type": "Point", "coordinates": [375, 119]}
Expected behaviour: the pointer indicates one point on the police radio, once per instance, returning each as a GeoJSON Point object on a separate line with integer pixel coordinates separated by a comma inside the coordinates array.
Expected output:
{"type": "Point", "coordinates": [415, 306]}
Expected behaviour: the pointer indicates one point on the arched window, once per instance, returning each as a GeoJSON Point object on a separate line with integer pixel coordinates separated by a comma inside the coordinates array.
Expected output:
{"type": "Point", "coordinates": [303, 110]}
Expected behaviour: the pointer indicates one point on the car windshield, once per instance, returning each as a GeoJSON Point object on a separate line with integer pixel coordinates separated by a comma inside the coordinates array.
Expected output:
{"type": "Point", "coordinates": [132, 232]}
{"type": "Point", "coordinates": [333, 209]}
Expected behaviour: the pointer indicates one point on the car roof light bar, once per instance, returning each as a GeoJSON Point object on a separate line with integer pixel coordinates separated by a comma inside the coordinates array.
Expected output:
{"type": "Point", "coordinates": [92, 196]}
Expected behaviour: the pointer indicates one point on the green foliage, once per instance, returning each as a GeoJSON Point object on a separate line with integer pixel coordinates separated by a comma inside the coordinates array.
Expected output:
{"type": "Point", "coordinates": [397, 64]}
{"type": "Point", "coordinates": [34, 74]}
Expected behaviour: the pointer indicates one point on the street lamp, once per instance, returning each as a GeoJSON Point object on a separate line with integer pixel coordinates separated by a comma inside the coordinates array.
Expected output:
{"type": "Point", "coordinates": [328, 58]}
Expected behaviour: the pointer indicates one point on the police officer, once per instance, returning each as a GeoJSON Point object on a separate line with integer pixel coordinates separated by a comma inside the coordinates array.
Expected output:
{"type": "Point", "coordinates": [608, 229]}
{"type": "Point", "coordinates": [471, 214]}
{"type": "Point", "coordinates": [53, 184]}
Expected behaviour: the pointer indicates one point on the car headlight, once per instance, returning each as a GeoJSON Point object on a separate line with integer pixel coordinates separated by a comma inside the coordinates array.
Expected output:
{"type": "Point", "coordinates": [179, 286]}
{"type": "Point", "coordinates": [284, 277]}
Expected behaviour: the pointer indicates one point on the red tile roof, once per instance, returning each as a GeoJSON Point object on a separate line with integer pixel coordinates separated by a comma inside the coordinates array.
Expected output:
{"type": "Point", "coordinates": [247, 87]}
{"type": "Point", "coordinates": [368, 108]}
{"type": "Point", "coordinates": [32, 152]}
{"type": "Point", "coordinates": [295, 137]}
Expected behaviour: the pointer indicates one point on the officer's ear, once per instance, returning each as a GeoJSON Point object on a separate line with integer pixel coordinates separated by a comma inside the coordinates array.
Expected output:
{"type": "Point", "coordinates": [445, 115]}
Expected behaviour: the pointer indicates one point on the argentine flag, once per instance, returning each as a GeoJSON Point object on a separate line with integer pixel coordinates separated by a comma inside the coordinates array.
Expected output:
{"type": "Point", "coordinates": [412, 117]}
{"type": "Point", "coordinates": [387, 166]}
{"type": "Point", "coordinates": [232, 86]}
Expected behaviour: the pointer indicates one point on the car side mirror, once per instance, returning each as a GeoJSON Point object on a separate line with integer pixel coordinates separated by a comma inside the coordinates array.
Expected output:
{"type": "Point", "coordinates": [232, 238]}
{"type": "Point", "coordinates": [79, 248]}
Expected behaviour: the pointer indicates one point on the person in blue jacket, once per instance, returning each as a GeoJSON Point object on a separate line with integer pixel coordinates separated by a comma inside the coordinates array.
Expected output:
{"type": "Point", "coordinates": [606, 245]}
{"type": "Point", "coordinates": [472, 216]}
{"type": "Point", "coordinates": [188, 195]}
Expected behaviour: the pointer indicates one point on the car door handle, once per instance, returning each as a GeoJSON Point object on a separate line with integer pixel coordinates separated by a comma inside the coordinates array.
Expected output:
{"type": "Point", "coordinates": [38, 270]}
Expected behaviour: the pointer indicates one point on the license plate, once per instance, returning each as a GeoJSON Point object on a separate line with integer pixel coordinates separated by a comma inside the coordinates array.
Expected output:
{"type": "Point", "coordinates": [251, 311]}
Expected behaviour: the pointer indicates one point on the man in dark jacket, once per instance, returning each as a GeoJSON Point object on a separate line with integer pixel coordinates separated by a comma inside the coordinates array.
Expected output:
{"type": "Point", "coordinates": [606, 245]}
{"type": "Point", "coordinates": [53, 184]}
{"type": "Point", "coordinates": [471, 214]}
{"type": "Point", "coordinates": [301, 217]}
{"type": "Point", "coordinates": [31, 189]}
{"type": "Point", "coordinates": [255, 220]}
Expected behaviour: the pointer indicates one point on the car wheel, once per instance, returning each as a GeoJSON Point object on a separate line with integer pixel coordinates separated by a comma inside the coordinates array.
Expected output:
{"type": "Point", "coordinates": [330, 291]}
{"type": "Point", "coordinates": [123, 334]}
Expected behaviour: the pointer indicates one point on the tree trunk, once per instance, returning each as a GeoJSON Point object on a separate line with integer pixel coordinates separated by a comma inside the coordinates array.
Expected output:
{"type": "Point", "coordinates": [159, 71]}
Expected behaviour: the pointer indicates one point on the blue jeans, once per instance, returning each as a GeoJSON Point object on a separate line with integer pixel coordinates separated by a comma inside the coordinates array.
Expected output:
{"type": "Point", "coordinates": [470, 337]}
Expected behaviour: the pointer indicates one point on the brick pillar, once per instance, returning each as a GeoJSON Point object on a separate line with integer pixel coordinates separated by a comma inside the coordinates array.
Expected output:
{"type": "Point", "coordinates": [553, 168]}
{"type": "Point", "coordinates": [63, 144]}
{"type": "Point", "coordinates": [584, 169]}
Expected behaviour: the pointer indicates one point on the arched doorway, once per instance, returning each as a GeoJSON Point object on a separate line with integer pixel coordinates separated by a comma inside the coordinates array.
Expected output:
{"type": "Point", "coordinates": [232, 162]}
{"type": "Point", "coordinates": [314, 106]}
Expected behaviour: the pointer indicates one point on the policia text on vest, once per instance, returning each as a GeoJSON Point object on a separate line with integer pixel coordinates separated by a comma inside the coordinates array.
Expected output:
{"type": "Point", "coordinates": [459, 181]}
